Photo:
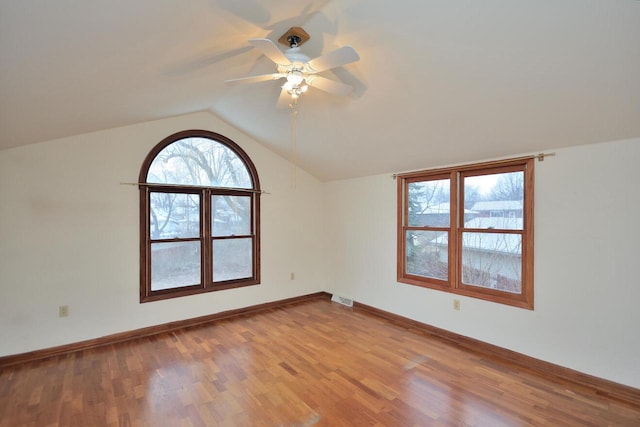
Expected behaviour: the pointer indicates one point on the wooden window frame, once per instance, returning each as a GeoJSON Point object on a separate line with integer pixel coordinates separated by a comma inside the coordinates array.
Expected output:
{"type": "Point", "coordinates": [456, 228]}
{"type": "Point", "coordinates": [205, 236]}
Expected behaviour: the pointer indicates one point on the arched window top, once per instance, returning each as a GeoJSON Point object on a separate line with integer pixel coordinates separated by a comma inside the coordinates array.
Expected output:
{"type": "Point", "coordinates": [199, 158]}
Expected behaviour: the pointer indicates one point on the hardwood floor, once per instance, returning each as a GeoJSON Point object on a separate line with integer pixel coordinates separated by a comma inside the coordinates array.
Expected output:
{"type": "Point", "coordinates": [311, 363]}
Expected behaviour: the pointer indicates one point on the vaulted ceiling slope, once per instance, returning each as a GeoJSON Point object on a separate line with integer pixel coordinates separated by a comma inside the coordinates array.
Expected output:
{"type": "Point", "coordinates": [439, 82]}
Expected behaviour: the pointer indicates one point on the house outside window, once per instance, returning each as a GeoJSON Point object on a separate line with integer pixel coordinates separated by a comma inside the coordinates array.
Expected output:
{"type": "Point", "coordinates": [199, 217]}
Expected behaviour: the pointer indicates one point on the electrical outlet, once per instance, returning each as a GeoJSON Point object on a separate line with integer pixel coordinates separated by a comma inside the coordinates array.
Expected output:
{"type": "Point", "coordinates": [456, 304]}
{"type": "Point", "coordinates": [293, 276]}
{"type": "Point", "coordinates": [63, 311]}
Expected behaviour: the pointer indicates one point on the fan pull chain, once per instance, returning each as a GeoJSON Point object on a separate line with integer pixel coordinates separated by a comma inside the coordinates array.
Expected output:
{"type": "Point", "coordinates": [293, 108]}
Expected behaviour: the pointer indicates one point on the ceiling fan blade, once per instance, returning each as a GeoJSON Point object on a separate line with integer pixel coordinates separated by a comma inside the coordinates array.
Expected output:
{"type": "Point", "coordinates": [255, 79]}
{"type": "Point", "coordinates": [205, 59]}
{"type": "Point", "coordinates": [333, 87]}
{"type": "Point", "coordinates": [337, 58]}
{"type": "Point", "coordinates": [270, 50]}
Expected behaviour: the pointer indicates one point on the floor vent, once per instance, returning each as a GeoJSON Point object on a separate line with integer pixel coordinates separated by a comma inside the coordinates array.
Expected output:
{"type": "Point", "coordinates": [342, 300]}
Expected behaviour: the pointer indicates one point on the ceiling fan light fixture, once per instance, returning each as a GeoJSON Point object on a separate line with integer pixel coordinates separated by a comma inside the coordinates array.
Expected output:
{"type": "Point", "coordinates": [295, 90]}
{"type": "Point", "coordinates": [295, 84]}
{"type": "Point", "coordinates": [295, 77]}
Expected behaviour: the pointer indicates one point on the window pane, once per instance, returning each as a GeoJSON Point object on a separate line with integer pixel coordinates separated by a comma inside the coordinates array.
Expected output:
{"type": "Point", "coordinates": [199, 161]}
{"type": "Point", "coordinates": [231, 215]}
{"type": "Point", "coordinates": [174, 265]}
{"type": "Point", "coordinates": [494, 201]}
{"type": "Point", "coordinates": [427, 254]}
{"type": "Point", "coordinates": [174, 215]}
{"type": "Point", "coordinates": [492, 260]}
{"type": "Point", "coordinates": [429, 203]}
{"type": "Point", "coordinates": [232, 259]}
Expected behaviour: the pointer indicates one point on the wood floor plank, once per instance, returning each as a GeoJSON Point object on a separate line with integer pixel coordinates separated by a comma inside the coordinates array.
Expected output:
{"type": "Point", "coordinates": [311, 363]}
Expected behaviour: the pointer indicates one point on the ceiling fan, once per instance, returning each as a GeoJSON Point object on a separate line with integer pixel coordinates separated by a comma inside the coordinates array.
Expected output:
{"type": "Point", "coordinates": [300, 70]}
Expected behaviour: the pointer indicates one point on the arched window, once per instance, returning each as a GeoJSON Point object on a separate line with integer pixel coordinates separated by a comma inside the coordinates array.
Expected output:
{"type": "Point", "coordinates": [199, 217]}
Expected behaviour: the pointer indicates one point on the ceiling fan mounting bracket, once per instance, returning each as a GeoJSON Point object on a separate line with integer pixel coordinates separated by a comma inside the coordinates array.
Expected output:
{"type": "Point", "coordinates": [295, 36]}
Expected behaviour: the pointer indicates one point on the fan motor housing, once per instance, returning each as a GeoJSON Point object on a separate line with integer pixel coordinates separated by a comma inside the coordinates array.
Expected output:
{"type": "Point", "coordinates": [296, 56]}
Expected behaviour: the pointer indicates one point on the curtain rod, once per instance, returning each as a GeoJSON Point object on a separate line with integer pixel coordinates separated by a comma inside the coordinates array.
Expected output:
{"type": "Point", "coordinates": [539, 156]}
{"type": "Point", "coordinates": [198, 187]}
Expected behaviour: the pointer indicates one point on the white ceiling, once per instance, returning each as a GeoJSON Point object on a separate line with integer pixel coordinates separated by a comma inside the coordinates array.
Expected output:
{"type": "Point", "coordinates": [439, 81]}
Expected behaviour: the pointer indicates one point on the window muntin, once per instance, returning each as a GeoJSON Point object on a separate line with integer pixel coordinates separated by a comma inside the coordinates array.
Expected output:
{"type": "Point", "coordinates": [199, 198]}
{"type": "Point", "coordinates": [476, 238]}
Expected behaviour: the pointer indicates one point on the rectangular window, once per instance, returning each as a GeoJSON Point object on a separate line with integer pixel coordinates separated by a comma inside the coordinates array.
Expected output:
{"type": "Point", "coordinates": [231, 237]}
{"type": "Point", "coordinates": [174, 237]}
{"type": "Point", "coordinates": [198, 239]}
{"type": "Point", "coordinates": [469, 230]}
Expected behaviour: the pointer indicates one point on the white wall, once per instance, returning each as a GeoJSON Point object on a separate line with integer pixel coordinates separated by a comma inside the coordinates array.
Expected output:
{"type": "Point", "coordinates": [587, 263]}
{"type": "Point", "coordinates": [69, 236]}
